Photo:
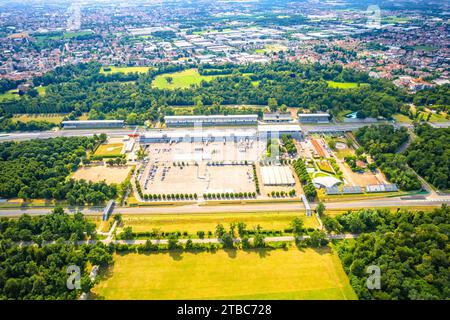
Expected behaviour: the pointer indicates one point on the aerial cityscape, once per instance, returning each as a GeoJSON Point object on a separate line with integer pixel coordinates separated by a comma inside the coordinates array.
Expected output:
{"type": "Point", "coordinates": [224, 150]}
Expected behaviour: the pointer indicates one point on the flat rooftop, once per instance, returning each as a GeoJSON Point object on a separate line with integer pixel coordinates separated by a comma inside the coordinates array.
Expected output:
{"type": "Point", "coordinates": [212, 117]}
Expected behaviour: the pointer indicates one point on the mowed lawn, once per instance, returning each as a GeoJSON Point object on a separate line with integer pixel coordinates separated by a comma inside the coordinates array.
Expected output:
{"type": "Point", "coordinates": [237, 274]}
{"type": "Point", "coordinates": [124, 70]}
{"type": "Point", "coordinates": [208, 222]}
{"type": "Point", "coordinates": [182, 79]}
{"type": "Point", "coordinates": [110, 149]}
{"type": "Point", "coordinates": [345, 85]}
{"type": "Point", "coordinates": [55, 118]}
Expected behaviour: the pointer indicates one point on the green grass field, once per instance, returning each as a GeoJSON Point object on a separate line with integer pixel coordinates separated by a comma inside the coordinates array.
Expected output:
{"type": "Point", "coordinates": [345, 85]}
{"type": "Point", "coordinates": [401, 118]}
{"type": "Point", "coordinates": [124, 70]}
{"type": "Point", "coordinates": [182, 79]}
{"type": "Point", "coordinates": [235, 274]}
{"type": "Point", "coordinates": [196, 222]}
{"type": "Point", "coordinates": [55, 118]}
{"type": "Point", "coordinates": [109, 150]}
{"type": "Point", "coordinates": [435, 117]}
{"type": "Point", "coordinates": [9, 95]}
{"type": "Point", "coordinates": [41, 90]}
{"type": "Point", "coordinates": [208, 222]}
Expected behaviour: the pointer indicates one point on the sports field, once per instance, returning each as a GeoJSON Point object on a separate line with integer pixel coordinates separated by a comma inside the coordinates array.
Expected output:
{"type": "Point", "coordinates": [236, 274]}
{"type": "Point", "coordinates": [102, 173]}
{"type": "Point", "coordinates": [208, 222]}
{"type": "Point", "coordinates": [344, 85]}
{"type": "Point", "coordinates": [182, 79]}
{"type": "Point", "coordinates": [55, 118]}
{"type": "Point", "coordinates": [109, 150]}
{"type": "Point", "coordinates": [124, 70]}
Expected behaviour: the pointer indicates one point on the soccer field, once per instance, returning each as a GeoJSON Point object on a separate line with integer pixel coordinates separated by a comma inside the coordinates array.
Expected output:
{"type": "Point", "coordinates": [236, 274]}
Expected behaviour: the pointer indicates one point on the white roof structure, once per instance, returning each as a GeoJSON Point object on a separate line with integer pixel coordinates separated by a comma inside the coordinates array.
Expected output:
{"type": "Point", "coordinates": [277, 176]}
{"type": "Point", "coordinates": [326, 182]}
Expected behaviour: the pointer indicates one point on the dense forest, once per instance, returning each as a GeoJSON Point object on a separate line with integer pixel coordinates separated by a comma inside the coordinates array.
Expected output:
{"type": "Point", "coordinates": [381, 142]}
{"type": "Point", "coordinates": [82, 88]}
{"type": "Point", "coordinates": [439, 95]}
{"type": "Point", "coordinates": [39, 169]}
{"type": "Point", "coordinates": [435, 144]}
{"type": "Point", "coordinates": [40, 271]}
{"type": "Point", "coordinates": [410, 248]}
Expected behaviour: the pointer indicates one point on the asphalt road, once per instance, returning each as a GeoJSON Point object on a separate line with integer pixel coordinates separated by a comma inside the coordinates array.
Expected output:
{"type": "Point", "coordinates": [243, 208]}
{"type": "Point", "coordinates": [18, 136]}
{"type": "Point", "coordinates": [120, 132]}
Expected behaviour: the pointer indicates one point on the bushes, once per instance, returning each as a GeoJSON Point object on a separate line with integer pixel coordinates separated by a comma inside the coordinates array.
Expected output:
{"type": "Point", "coordinates": [282, 194]}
